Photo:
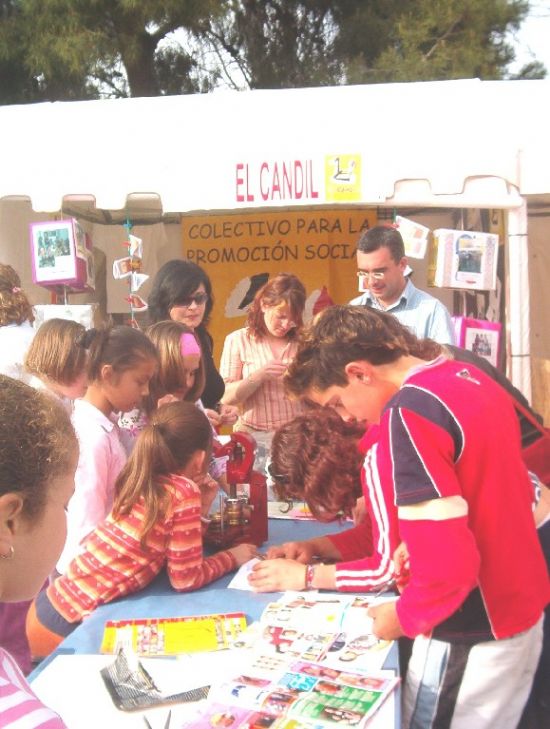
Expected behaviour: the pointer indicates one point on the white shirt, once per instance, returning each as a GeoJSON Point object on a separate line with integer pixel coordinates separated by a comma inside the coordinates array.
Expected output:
{"type": "Point", "coordinates": [101, 459]}
{"type": "Point", "coordinates": [420, 312]}
{"type": "Point", "coordinates": [38, 384]}
{"type": "Point", "coordinates": [14, 342]}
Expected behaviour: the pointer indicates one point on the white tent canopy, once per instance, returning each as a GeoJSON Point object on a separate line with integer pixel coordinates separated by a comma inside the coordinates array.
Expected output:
{"type": "Point", "coordinates": [443, 144]}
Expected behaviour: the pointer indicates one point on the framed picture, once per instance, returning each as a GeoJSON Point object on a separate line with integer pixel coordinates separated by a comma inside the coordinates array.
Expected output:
{"type": "Point", "coordinates": [61, 255]}
{"type": "Point", "coordinates": [479, 336]}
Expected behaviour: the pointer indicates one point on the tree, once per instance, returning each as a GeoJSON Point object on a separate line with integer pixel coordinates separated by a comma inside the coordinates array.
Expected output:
{"type": "Point", "coordinates": [116, 44]}
{"type": "Point", "coordinates": [279, 43]}
{"type": "Point", "coordinates": [276, 43]}
{"type": "Point", "coordinates": [67, 49]}
{"type": "Point", "coordinates": [436, 40]}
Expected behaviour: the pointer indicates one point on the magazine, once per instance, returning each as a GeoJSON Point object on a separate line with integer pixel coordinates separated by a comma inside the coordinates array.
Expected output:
{"type": "Point", "coordinates": [332, 629]}
{"type": "Point", "coordinates": [275, 693]}
{"type": "Point", "coordinates": [173, 636]}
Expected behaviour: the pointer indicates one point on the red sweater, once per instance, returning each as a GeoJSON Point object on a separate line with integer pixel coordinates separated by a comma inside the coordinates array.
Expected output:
{"type": "Point", "coordinates": [451, 431]}
{"type": "Point", "coordinates": [112, 562]}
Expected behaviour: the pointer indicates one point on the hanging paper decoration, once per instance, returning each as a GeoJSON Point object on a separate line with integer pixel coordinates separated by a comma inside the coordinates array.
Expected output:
{"type": "Point", "coordinates": [136, 302]}
{"type": "Point", "coordinates": [129, 268]}
{"type": "Point", "coordinates": [415, 236]}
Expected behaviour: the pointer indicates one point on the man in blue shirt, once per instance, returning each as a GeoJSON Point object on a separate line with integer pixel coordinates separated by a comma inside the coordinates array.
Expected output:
{"type": "Point", "coordinates": [382, 270]}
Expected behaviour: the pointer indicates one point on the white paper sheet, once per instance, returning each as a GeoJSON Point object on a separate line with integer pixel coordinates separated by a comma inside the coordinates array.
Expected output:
{"type": "Point", "coordinates": [72, 686]}
{"type": "Point", "coordinates": [240, 579]}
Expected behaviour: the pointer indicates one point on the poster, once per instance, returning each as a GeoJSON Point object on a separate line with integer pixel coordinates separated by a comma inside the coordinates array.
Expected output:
{"type": "Point", "coordinates": [479, 336]}
{"type": "Point", "coordinates": [240, 252]}
{"type": "Point", "coordinates": [465, 259]}
{"type": "Point", "coordinates": [53, 251]}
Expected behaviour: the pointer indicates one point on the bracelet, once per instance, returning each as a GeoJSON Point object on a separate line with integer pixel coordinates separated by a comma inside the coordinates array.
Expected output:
{"type": "Point", "coordinates": [310, 574]}
{"type": "Point", "coordinates": [205, 520]}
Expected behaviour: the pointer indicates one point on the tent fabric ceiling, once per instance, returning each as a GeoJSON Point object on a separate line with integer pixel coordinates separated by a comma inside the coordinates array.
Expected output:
{"type": "Point", "coordinates": [441, 143]}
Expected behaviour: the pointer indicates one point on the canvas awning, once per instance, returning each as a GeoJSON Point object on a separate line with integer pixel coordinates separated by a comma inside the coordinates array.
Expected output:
{"type": "Point", "coordinates": [442, 143]}
{"type": "Point", "coordinates": [461, 143]}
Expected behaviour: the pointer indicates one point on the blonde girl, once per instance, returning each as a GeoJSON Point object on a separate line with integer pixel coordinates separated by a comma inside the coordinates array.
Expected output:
{"type": "Point", "coordinates": [34, 492]}
{"type": "Point", "coordinates": [156, 522]}
{"type": "Point", "coordinates": [16, 318]}
{"type": "Point", "coordinates": [181, 370]}
{"type": "Point", "coordinates": [56, 363]}
{"type": "Point", "coordinates": [181, 376]}
{"type": "Point", "coordinates": [121, 363]}
{"type": "Point", "coordinates": [57, 360]}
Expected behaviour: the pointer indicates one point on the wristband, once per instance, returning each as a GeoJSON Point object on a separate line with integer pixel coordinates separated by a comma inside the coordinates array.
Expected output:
{"type": "Point", "coordinates": [310, 574]}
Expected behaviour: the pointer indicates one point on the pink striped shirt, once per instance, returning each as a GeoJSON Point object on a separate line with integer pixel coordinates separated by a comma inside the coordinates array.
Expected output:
{"type": "Point", "coordinates": [19, 706]}
{"type": "Point", "coordinates": [268, 407]}
{"type": "Point", "coordinates": [113, 563]}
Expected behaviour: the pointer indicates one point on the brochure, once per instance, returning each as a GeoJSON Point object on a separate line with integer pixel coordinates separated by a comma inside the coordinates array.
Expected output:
{"type": "Point", "coordinates": [332, 629]}
{"type": "Point", "coordinates": [299, 694]}
{"type": "Point", "coordinates": [172, 636]}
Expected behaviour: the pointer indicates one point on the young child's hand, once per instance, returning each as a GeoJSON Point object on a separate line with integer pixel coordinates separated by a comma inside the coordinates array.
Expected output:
{"type": "Point", "coordinates": [209, 489]}
{"type": "Point", "coordinates": [303, 552]}
{"type": "Point", "coordinates": [272, 575]}
{"type": "Point", "coordinates": [401, 566]}
{"type": "Point", "coordinates": [214, 417]}
{"type": "Point", "coordinates": [385, 623]}
{"type": "Point", "coordinates": [243, 553]}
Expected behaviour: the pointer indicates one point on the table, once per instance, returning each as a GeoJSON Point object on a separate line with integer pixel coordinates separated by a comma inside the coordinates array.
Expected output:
{"type": "Point", "coordinates": [159, 600]}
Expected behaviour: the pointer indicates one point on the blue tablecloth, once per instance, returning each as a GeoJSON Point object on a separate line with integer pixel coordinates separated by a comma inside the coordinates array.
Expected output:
{"type": "Point", "coordinates": [159, 600]}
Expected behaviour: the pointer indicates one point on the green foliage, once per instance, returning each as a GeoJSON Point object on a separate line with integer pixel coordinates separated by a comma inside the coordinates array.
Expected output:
{"type": "Point", "coordinates": [69, 49]}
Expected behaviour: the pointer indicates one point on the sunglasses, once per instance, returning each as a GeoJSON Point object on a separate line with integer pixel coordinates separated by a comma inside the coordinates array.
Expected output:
{"type": "Point", "coordinates": [186, 302]}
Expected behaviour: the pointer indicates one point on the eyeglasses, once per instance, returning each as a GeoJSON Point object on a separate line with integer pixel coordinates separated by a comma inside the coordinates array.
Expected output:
{"type": "Point", "coordinates": [376, 275]}
{"type": "Point", "coordinates": [186, 302]}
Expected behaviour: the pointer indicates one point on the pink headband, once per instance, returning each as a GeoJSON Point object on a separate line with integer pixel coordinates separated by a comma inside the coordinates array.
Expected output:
{"type": "Point", "coordinates": [189, 345]}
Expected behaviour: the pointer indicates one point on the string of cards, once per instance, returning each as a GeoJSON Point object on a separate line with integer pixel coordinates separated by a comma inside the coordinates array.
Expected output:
{"type": "Point", "coordinates": [129, 268]}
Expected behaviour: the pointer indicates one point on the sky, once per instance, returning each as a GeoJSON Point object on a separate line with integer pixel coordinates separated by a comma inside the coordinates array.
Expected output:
{"type": "Point", "coordinates": [532, 41]}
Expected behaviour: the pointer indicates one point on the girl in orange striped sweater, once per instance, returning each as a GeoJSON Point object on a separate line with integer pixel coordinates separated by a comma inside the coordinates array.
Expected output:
{"type": "Point", "coordinates": [157, 521]}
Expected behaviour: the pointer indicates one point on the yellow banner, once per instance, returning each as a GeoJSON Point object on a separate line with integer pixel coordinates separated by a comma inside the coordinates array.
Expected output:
{"type": "Point", "coordinates": [241, 252]}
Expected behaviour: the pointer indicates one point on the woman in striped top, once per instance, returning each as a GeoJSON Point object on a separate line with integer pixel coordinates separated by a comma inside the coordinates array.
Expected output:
{"type": "Point", "coordinates": [255, 358]}
{"type": "Point", "coordinates": [157, 521]}
{"type": "Point", "coordinates": [38, 457]}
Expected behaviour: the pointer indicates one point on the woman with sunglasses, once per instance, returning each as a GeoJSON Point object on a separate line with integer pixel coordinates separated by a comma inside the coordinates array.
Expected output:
{"type": "Point", "coordinates": [182, 291]}
{"type": "Point", "coordinates": [255, 358]}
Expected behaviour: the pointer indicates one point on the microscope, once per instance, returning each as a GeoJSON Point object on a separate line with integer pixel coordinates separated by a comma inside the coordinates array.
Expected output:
{"type": "Point", "coordinates": [242, 514]}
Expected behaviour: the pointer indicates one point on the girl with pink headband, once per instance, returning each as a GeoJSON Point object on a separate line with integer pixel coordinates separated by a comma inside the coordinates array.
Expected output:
{"type": "Point", "coordinates": [180, 376]}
